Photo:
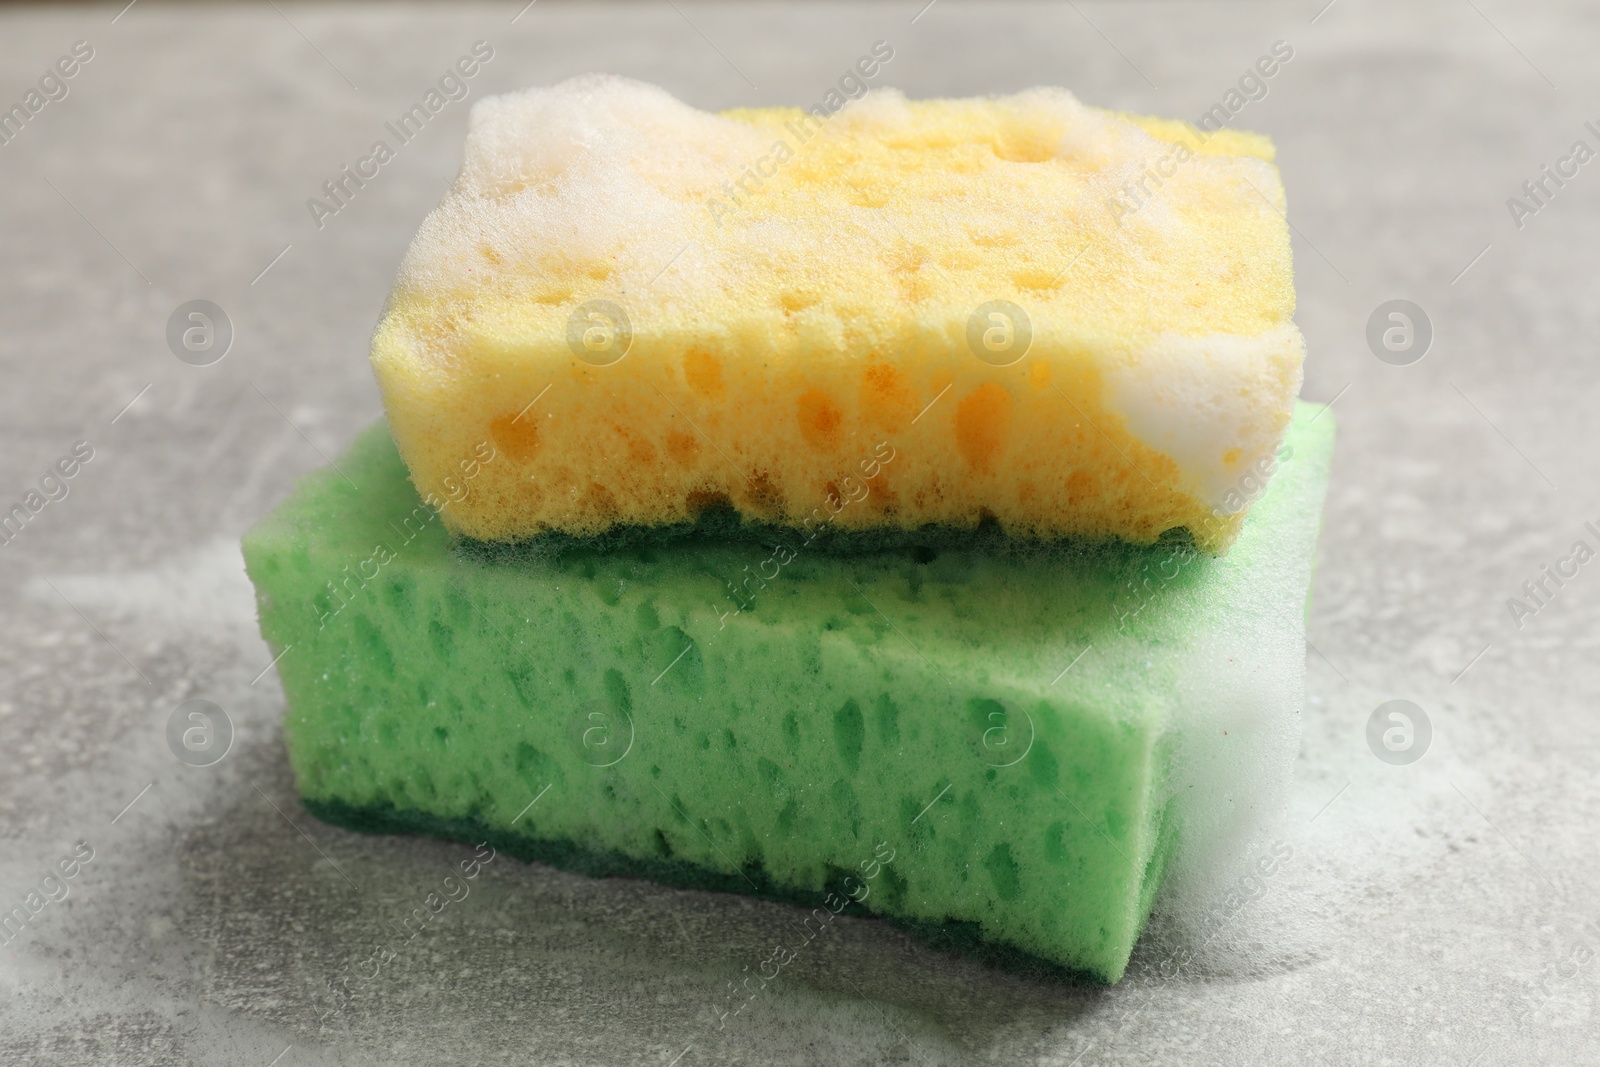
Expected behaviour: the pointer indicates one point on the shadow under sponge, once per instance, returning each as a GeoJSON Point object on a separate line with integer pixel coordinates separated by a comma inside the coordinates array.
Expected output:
{"type": "Point", "coordinates": [1033, 737]}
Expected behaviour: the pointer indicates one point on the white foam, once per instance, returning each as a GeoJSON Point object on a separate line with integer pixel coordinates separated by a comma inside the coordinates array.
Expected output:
{"type": "Point", "coordinates": [1199, 398]}
{"type": "Point", "coordinates": [200, 591]}
{"type": "Point", "coordinates": [595, 169]}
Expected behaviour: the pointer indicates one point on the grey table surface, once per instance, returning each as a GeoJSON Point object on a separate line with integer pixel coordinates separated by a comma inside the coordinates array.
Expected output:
{"type": "Point", "coordinates": [1441, 912]}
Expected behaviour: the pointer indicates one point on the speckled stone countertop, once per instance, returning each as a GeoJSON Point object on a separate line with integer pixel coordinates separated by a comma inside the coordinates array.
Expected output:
{"type": "Point", "coordinates": [1439, 911]}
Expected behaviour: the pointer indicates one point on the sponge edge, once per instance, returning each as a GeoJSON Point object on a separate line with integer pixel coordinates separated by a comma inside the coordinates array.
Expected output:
{"type": "Point", "coordinates": [778, 336]}
{"type": "Point", "coordinates": [1037, 738]}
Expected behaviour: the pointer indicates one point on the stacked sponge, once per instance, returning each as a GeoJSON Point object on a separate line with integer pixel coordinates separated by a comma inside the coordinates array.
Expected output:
{"type": "Point", "coordinates": [946, 274]}
{"type": "Point", "coordinates": [573, 597]}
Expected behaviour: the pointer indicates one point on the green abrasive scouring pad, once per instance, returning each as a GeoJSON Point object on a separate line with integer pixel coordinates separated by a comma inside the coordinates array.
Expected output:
{"type": "Point", "coordinates": [1007, 748]}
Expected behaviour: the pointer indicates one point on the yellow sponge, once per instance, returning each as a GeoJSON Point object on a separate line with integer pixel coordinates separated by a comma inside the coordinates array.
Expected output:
{"type": "Point", "coordinates": [900, 315]}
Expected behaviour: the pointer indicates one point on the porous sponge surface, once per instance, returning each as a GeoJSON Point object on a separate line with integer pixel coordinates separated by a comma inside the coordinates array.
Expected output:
{"type": "Point", "coordinates": [1031, 734]}
{"type": "Point", "coordinates": [782, 328]}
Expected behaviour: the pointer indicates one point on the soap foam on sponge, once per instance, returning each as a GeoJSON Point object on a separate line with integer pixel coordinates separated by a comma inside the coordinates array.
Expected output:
{"type": "Point", "coordinates": [777, 341]}
{"type": "Point", "coordinates": [1039, 737]}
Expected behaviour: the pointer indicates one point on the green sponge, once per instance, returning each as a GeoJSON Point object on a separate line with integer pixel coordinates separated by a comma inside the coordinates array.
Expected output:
{"type": "Point", "coordinates": [1015, 744]}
